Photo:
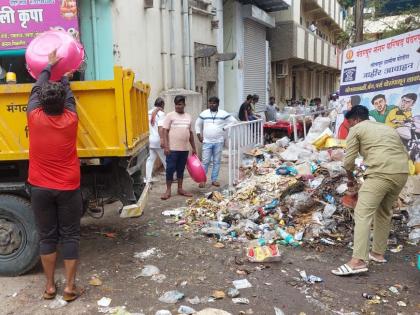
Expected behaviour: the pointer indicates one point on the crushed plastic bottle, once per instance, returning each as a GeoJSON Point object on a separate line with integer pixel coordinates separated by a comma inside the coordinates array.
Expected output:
{"type": "Point", "coordinates": [288, 239]}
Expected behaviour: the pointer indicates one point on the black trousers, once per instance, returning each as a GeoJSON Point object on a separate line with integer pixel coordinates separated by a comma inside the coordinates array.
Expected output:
{"type": "Point", "coordinates": [175, 162]}
{"type": "Point", "coordinates": [58, 214]}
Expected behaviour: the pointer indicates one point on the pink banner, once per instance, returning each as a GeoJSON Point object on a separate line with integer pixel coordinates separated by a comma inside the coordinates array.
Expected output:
{"type": "Point", "coordinates": [22, 20]}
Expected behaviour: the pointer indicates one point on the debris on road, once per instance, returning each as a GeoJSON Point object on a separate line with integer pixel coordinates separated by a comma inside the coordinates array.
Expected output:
{"type": "Point", "coordinates": [171, 297]}
{"type": "Point", "coordinates": [148, 253]}
{"type": "Point", "coordinates": [95, 281]}
{"type": "Point", "coordinates": [218, 295]}
{"type": "Point", "coordinates": [148, 271]}
{"type": "Point", "coordinates": [289, 194]}
{"type": "Point", "coordinates": [241, 284]}
{"type": "Point", "coordinates": [57, 303]}
{"type": "Point", "coordinates": [244, 301]}
{"type": "Point", "coordinates": [278, 311]}
{"type": "Point", "coordinates": [186, 310]}
{"type": "Point", "coordinates": [233, 292]}
{"type": "Point", "coordinates": [104, 302]}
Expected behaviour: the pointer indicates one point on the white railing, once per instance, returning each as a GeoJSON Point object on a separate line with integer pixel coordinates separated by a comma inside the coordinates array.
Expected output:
{"type": "Point", "coordinates": [295, 117]}
{"type": "Point", "coordinates": [242, 136]}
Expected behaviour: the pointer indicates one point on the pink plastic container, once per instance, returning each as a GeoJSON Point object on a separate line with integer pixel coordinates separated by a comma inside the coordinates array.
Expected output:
{"type": "Point", "coordinates": [196, 169]}
{"type": "Point", "coordinates": [69, 50]}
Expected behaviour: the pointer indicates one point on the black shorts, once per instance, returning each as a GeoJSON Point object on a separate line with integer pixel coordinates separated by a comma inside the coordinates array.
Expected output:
{"type": "Point", "coordinates": [57, 214]}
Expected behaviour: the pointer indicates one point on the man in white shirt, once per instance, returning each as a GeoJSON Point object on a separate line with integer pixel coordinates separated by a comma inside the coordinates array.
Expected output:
{"type": "Point", "coordinates": [156, 118]}
{"type": "Point", "coordinates": [209, 127]}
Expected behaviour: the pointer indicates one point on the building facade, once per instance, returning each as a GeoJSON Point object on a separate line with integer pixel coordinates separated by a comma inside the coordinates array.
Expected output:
{"type": "Point", "coordinates": [245, 35]}
{"type": "Point", "coordinates": [305, 60]}
{"type": "Point", "coordinates": [165, 42]}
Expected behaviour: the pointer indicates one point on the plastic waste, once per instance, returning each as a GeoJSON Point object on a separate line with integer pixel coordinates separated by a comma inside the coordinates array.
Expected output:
{"type": "Point", "coordinates": [149, 271]}
{"type": "Point", "coordinates": [329, 210]}
{"type": "Point", "coordinates": [57, 303]}
{"type": "Point", "coordinates": [300, 202]}
{"type": "Point", "coordinates": [159, 278]}
{"type": "Point", "coordinates": [414, 235]}
{"type": "Point", "coordinates": [309, 279]}
{"type": "Point", "coordinates": [171, 297]}
{"type": "Point", "coordinates": [194, 301]}
{"type": "Point", "coordinates": [243, 301]}
{"type": "Point", "coordinates": [104, 302]}
{"type": "Point", "coordinates": [341, 189]}
{"type": "Point", "coordinates": [263, 253]}
{"type": "Point", "coordinates": [283, 142]}
{"type": "Point", "coordinates": [186, 310]}
{"type": "Point", "coordinates": [163, 312]}
{"type": "Point", "coordinates": [241, 284]}
{"type": "Point", "coordinates": [233, 292]}
{"type": "Point", "coordinates": [329, 198]}
{"type": "Point", "coordinates": [316, 182]}
{"type": "Point", "coordinates": [148, 253]}
{"type": "Point", "coordinates": [278, 311]}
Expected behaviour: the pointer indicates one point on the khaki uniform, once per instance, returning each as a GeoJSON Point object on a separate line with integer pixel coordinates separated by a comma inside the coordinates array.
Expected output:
{"type": "Point", "coordinates": [387, 171]}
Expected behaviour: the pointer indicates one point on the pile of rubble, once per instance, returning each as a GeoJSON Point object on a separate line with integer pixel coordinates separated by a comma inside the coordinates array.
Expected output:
{"type": "Point", "coordinates": [290, 193]}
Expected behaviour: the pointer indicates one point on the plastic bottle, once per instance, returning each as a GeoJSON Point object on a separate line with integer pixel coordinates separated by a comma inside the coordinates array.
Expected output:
{"type": "Point", "coordinates": [288, 238]}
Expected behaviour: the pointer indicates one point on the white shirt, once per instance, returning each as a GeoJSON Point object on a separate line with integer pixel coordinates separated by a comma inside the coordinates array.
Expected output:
{"type": "Point", "coordinates": [154, 138]}
{"type": "Point", "coordinates": [211, 124]}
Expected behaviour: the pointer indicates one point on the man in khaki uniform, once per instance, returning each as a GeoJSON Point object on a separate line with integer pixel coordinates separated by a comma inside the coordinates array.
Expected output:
{"type": "Point", "coordinates": [387, 171]}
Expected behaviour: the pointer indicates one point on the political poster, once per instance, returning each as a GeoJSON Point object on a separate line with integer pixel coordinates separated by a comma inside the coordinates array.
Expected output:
{"type": "Point", "coordinates": [384, 76]}
{"type": "Point", "coordinates": [22, 20]}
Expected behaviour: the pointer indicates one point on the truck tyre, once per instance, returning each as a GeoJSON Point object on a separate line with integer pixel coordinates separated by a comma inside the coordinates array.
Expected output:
{"type": "Point", "coordinates": [19, 239]}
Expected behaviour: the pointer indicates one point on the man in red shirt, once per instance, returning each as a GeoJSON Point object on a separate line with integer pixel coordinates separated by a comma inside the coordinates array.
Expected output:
{"type": "Point", "coordinates": [54, 176]}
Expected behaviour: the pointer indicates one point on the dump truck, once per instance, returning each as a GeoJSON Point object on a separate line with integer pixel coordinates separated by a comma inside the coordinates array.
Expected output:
{"type": "Point", "coordinates": [112, 147]}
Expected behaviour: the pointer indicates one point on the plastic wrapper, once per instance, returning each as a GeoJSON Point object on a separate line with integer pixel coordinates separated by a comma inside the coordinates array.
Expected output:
{"type": "Point", "coordinates": [267, 253]}
{"type": "Point", "coordinates": [300, 202]}
{"type": "Point", "coordinates": [335, 169]}
{"type": "Point", "coordinates": [320, 141]}
{"type": "Point", "coordinates": [283, 142]}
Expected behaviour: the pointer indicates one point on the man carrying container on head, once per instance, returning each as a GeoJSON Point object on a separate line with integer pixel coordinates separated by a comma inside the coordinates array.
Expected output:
{"type": "Point", "coordinates": [54, 176]}
{"type": "Point", "coordinates": [209, 127]}
{"type": "Point", "coordinates": [387, 171]}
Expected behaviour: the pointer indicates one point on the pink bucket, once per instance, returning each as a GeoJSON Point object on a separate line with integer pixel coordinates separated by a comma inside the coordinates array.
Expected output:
{"type": "Point", "coordinates": [69, 50]}
{"type": "Point", "coordinates": [196, 169]}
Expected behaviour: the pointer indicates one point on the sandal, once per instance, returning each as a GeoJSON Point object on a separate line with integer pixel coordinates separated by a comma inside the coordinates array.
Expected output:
{"type": "Point", "coordinates": [346, 270]}
{"type": "Point", "coordinates": [373, 258]}
{"type": "Point", "coordinates": [49, 296]}
{"type": "Point", "coordinates": [216, 184]}
{"type": "Point", "coordinates": [71, 296]}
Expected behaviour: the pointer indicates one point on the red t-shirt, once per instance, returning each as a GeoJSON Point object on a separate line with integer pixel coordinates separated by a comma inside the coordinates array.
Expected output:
{"type": "Point", "coordinates": [343, 130]}
{"type": "Point", "coordinates": [53, 161]}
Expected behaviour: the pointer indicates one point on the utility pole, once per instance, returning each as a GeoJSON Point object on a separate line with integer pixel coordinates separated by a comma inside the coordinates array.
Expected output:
{"type": "Point", "coordinates": [358, 20]}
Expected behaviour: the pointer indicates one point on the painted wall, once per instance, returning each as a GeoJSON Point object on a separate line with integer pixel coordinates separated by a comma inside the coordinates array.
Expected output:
{"type": "Point", "coordinates": [143, 42]}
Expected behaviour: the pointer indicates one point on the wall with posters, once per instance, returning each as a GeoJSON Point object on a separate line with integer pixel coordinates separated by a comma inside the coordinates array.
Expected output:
{"type": "Point", "coordinates": [22, 20]}
{"type": "Point", "coordinates": [384, 76]}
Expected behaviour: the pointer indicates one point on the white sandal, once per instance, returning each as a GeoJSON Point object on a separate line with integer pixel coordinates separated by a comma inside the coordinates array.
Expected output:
{"type": "Point", "coordinates": [346, 270]}
{"type": "Point", "coordinates": [381, 261]}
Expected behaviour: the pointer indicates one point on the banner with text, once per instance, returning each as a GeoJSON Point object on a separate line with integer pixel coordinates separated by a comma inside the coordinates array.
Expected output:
{"type": "Point", "coordinates": [22, 20]}
{"type": "Point", "coordinates": [384, 76]}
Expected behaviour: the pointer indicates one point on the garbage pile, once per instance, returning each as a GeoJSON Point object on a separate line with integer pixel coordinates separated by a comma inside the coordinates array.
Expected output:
{"type": "Point", "coordinates": [289, 194]}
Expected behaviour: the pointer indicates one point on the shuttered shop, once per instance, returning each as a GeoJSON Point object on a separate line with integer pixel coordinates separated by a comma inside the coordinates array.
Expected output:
{"type": "Point", "coordinates": [255, 77]}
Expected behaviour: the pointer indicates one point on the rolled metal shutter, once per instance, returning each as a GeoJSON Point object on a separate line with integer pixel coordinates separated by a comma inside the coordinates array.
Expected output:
{"type": "Point", "coordinates": [255, 63]}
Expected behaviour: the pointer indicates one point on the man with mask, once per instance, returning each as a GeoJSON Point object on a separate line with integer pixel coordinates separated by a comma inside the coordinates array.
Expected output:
{"type": "Point", "coordinates": [386, 174]}
{"type": "Point", "coordinates": [210, 126]}
{"type": "Point", "coordinates": [382, 109]}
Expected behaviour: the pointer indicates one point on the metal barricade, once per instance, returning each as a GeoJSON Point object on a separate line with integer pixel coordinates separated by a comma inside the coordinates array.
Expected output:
{"type": "Point", "coordinates": [242, 136]}
{"type": "Point", "coordinates": [294, 119]}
